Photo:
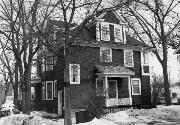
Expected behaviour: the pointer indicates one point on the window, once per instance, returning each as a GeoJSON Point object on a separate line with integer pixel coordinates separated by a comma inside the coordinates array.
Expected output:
{"type": "Point", "coordinates": [128, 58]}
{"type": "Point", "coordinates": [105, 54]}
{"type": "Point", "coordinates": [74, 70]}
{"type": "Point", "coordinates": [49, 63]}
{"type": "Point", "coordinates": [145, 63]}
{"type": "Point", "coordinates": [136, 86]}
{"type": "Point", "coordinates": [32, 93]}
{"type": "Point", "coordinates": [113, 91]}
{"type": "Point", "coordinates": [42, 64]}
{"type": "Point", "coordinates": [99, 87]}
{"type": "Point", "coordinates": [145, 58]}
{"type": "Point", "coordinates": [43, 90]}
{"type": "Point", "coordinates": [49, 90]}
{"type": "Point", "coordinates": [105, 35]}
{"type": "Point", "coordinates": [55, 88]}
{"type": "Point", "coordinates": [118, 33]}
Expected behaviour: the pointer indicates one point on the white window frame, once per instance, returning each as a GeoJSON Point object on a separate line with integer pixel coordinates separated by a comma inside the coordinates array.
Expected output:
{"type": "Point", "coordinates": [125, 58]}
{"type": "Point", "coordinates": [78, 76]}
{"type": "Point", "coordinates": [118, 38]}
{"type": "Point", "coordinates": [33, 93]}
{"type": "Point", "coordinates": [97, 94]}
{"type": "Point", "coordinates": [109, 56]}
{"type": "Point", "coordinates": [55, 88]}
{"type": "Point", "coordinates": [43, 88]}
{"type": "Point", "coordinates": [107, 37]}
{"type": "Point", "coordinates": [143, 64]}
{"type": "Point", "coordinates": [136, 79]}
{"type": "Point", "coordinates": [116, 88]}
{"type": "Point", "coordinates": [47, 91]}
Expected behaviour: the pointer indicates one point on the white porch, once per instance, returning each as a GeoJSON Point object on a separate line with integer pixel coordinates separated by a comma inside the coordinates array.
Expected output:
{"type": "Point", "coordinates": [114, 85]}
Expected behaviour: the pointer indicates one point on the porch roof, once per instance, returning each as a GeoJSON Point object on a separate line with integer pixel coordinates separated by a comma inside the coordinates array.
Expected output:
{"type": "Point", "coordinates": [121, 70]}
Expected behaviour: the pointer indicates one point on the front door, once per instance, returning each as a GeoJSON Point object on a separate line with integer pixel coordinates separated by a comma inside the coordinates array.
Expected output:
{"type": "Point", "coordinates": [60, 103]}
{"type": "Point", "coordinates": [113, 90]}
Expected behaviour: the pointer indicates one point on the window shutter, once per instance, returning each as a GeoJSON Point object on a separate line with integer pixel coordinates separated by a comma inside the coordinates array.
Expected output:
{"type": "Point", "coordinates": [124, 34]}
{"type": "Point", "coordinates": [118, 33]}
{"type": "Point", "coordinates": [78, 73]}
{"type": "Point", "coordinates": [97, 31]}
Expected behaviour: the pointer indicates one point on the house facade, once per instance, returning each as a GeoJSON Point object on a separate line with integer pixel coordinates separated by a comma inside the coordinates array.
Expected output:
{"type": "Point", "coordinates": [104, 61]}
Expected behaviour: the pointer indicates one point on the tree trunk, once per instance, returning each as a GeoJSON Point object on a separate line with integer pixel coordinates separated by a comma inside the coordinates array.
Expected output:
{"type": "Point", "coordinates": [67, 118]}
{"type": "Point", "coordinates": [26, 92]}
{"type": "Point", "coordinates": [15, 87]}
{"type": "Point", "coordinates": [166, 86]}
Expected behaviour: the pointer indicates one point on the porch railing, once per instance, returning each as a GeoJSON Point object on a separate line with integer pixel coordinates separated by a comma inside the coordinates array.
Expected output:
{"type": "Point", "coordinates": [116, 102]}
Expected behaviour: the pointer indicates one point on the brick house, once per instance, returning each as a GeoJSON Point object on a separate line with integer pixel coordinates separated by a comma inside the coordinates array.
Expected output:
{"type": "Point", "coordinates": [106, 61]}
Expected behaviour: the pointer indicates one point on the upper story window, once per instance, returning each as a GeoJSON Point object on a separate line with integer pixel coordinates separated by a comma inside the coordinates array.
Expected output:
{"type": "Point", "coordinates": [128, 58]}
{"type": "Point", "coordinates": [102, 31]}
{"type": "Point", "coordinates": [105, 54]}
{"type": "Point", "coordinates": [32, 93]}
{"type": "Point", "coordinates": [74, 71]}
{"type": "Point", "coordinates": [145, 63]}
{"type": "Point", "coordinates": [118, 35]}
{"type": "Point", "coordinates": [136, 86]}
{"type": "Point", "coordinates": [49, 63]}
{"type": "Point", "coordinates": [145, 58]}
{"type": "Point", "coordinates": [49, 90]}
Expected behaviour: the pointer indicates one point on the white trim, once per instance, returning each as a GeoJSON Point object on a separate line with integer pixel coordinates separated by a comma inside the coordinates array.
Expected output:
{"type": "Point", "coordinates": [138, 79]}
{"type": "Point", "coordinates": [55, 88]}
{"type": "Point", "coordinates": [125, 58]}
{"type": "Point", "coordinates": [129, 85]}
{"type": "Point", "coordinates": [78, 76]}
{"type": "Point", "coordinates": [116, 88]}
{"type": "Point", "coordinates": [46, 90]}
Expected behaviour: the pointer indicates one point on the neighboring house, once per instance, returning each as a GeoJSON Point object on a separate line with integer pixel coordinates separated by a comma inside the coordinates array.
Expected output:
{"type": "Point", "coordinates": [103, 61]}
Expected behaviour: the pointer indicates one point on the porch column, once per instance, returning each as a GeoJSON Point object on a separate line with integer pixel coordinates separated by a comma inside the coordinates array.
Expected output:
{"type": "Point", "coordinates": [129, 84]}
{"type": "Point", "coordinates": [106, 86]}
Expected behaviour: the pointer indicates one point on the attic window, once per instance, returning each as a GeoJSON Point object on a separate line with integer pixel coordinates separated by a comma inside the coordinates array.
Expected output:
{"type": "Point", "coordinates": [118, 33]}
{"type": "Point", "coordinates": [105, 36]}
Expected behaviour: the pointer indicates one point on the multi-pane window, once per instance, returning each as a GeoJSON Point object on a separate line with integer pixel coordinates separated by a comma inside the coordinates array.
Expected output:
{"type": "Point", "coordinates": [49, 90]}
{"type": "Point", "coordinates": [145, 63]}
{"type": "Point", "coordinates": [118, 33]}
{"type": "Point", "coordinates": [99, 87]}
{"type": "Point", "coordinates": [43, 90]}
{"type": "Point", "coordinates": [105, 54]}
{"type": "Point", "coordinates": [113, 91]}
{"type": "Point", "coordinates": [74, 71]}
{"type": "Point", "coordinates": [128, 58]}
{"type": "Point", "coordinates": [55, 88]}
{"type": "Point", "coordinates": [145, 58]}
{"type": "Point", "coordinates": [136, 86]}
{"type": "Point", "coordinates": [49, 63]}
{"type": "Point", "coordinates": [32, 93]}
{"type": "Point", "coordinates": [105, 35]}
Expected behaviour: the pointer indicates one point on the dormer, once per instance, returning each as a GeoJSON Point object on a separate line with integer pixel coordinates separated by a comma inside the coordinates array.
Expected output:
{"type": "Point", "coordinates": [110, 27]}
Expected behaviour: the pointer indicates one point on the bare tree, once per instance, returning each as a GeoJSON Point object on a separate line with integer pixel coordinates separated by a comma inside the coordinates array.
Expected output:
{"type": "Point", "coordinates": [20, 20]}
{"type": "Point", "coordinates": [155, 22]}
